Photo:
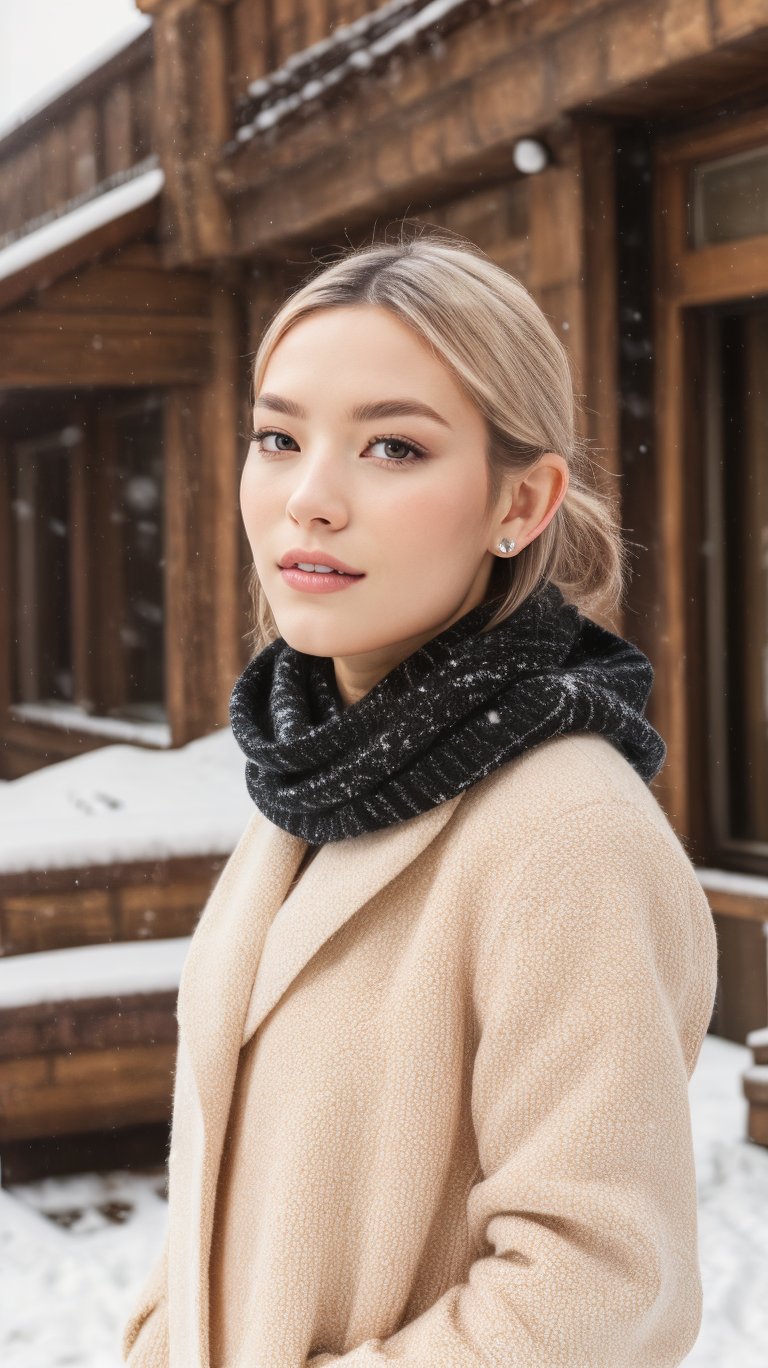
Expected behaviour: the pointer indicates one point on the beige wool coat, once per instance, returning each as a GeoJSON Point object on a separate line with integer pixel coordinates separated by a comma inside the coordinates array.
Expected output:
{"type": "Point", "coordinates": [431, 1108]}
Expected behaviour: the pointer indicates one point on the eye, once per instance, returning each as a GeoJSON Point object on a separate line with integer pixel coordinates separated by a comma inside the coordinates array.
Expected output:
{"type": "Point", "coordinates": [259, 439]}
{"type": "Point", "coordinates": [405, 453]}
{"type": "Point", "coordinates": [408, 451]}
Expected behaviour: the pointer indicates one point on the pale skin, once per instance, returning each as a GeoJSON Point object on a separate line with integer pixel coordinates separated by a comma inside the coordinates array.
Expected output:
{"type": "Point", "coordinates": [417, 528]}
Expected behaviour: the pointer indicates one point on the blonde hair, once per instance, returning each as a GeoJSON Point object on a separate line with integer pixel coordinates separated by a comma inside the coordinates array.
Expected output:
{"type": "Point", "coordinates": [486, 327]}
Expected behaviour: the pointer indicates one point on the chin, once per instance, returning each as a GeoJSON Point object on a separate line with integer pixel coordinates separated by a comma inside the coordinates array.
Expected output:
{"type": "Point", "coordinates": [323, 640]}
{"type": "Point", "coordinates": [313, 640]}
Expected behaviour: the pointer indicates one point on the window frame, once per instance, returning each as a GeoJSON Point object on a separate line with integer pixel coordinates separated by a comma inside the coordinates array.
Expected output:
{"type": "Point", "coordinates": [689, 284]}
{"type": "Point", "coordinates": [93, 604]}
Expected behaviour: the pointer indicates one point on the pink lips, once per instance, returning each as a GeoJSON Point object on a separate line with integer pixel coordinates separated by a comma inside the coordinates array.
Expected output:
{"type": "Point", "coordinates": [297, 554]}
{"type": "Point", "coordinates": [315, 581]}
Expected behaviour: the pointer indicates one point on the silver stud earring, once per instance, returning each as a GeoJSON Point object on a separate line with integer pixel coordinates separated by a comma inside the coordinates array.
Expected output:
{"type": "Point", "coordinates": [506, 545]}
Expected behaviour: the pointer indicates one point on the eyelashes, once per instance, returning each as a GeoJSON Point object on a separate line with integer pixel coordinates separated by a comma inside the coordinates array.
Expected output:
{"type": "Point", "coordinates": [415, 452]}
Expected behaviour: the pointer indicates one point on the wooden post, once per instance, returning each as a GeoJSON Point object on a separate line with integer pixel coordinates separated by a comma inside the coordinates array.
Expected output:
{"type": "Point", "coordinates": [204, 622]}
{"type": "Point", "coordinates": [223, 448]}
{"type": "Point", "coordinates": [572, 253]}
{"type": "Point", "coordinates": [7, 577]}
{"type": "Point", "coordinates": [193, 112]}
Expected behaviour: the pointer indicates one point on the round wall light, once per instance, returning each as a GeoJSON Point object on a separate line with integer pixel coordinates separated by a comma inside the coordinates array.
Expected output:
{"type": "Point", "coordinates": [530, 156]}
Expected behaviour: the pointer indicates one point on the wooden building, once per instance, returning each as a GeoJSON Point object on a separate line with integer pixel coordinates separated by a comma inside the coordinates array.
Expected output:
{"type": "Point", "coordinates": [612, 154]}
{"type": "Point", "coordinates": [119, 439]}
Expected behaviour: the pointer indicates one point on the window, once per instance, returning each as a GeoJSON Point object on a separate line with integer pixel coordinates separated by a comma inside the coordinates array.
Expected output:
{"type": "Point", "coordinates": [40, 487]}
{"type": "Point", "coordinates": [729, 198]}
{"type": "Point", "coordinates": [736, 558]}
{"type": "Point", "coordinates": [136, 525]}
{"type": "Point", "coordinates": [87, 559]}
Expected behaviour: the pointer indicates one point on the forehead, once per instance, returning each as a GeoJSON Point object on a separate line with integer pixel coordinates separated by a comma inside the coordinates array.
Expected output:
{"type": "Point", "coordinates": [354, 358]}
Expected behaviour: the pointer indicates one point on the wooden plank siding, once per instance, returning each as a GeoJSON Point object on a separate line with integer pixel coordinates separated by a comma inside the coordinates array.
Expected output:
{"type": "Point", "coordinates": [687, 279]}
{"type": "Point", "coordinates": [149, 899]}
{"type": "Point", "coordinates": [432, 122]}
{"type": "Point", "coordinates": [123, 323]}
{"type": "Point", "coordinates": [100, 128]}
{"type": "Point", "coordinates": [76, 1089]}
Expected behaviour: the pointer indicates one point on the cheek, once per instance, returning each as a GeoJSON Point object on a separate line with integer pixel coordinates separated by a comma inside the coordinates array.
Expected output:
{"type": "Point", "coordinates": [441, 517]}
{"type": "Point", "coordinates": [252, 499]}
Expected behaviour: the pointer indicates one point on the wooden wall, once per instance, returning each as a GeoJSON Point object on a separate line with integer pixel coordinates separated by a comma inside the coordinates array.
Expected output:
{"type": "Point", "coordinates": [266, 32]}
{"type": "Point", "coordinates": [145, 900]}
{"type": "Point", "coordinates": [434, 118]}
{"type": "Point", "coordinates": [100, 129]}
{"type": "Point", "coordinates": [118, 324]}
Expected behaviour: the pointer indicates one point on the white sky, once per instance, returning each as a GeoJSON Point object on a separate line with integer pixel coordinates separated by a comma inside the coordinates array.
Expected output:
{"type": "Point", "coordinates": [42, 42]}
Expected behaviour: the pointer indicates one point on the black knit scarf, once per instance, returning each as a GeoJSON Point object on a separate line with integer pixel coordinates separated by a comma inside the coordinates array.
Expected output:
{"type": "Point", "coordinates": [454, 710]}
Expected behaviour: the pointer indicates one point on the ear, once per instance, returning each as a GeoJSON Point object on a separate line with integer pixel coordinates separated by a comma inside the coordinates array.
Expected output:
{"type": "Point", "coordinates": [533, 500]}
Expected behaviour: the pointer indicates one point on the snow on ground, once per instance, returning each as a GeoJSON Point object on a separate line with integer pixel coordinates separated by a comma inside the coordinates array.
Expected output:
{"type": "Point", "coordinates": [74, 1251]}
{"type": "Point", "coordinates": [732, 1179]}
{"type": "Point", "coordinates": [121, 803]}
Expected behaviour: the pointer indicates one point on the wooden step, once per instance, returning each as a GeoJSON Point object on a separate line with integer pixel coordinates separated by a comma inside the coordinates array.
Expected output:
{"type": "Point", "coordinates": [755, 1087]}
{"type": "Point", "coordinates": [757, 1042]}
{"type": "Point", "coordinates": [87, 1040]}
{"type": "Point", "coordinates": [44, 910]}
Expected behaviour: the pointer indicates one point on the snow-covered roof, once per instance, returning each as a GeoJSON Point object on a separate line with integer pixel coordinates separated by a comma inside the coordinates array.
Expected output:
{"type": "Point", "coordinates": [125, 803]}
{"type": "Point", "coordinates": [77, 222]}
{"type": "Point", "coordinates": [130, 29]}
{"type": "Point", "coordinates": [350, 50]}
{"type": "Point", "coordinates": [85, 971]}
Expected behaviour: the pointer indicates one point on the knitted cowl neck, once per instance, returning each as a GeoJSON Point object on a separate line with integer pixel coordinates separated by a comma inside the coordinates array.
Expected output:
{"type": "Point", "coordinates": [457, 708]}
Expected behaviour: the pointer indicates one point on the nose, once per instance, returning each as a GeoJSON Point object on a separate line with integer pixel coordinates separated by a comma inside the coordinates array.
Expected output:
{"type": "Point", "coordinates": [318, 491]}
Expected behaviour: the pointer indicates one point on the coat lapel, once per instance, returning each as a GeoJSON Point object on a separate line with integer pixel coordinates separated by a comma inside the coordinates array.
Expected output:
{"type": "Point", "coordinates": [249, 946]}
{"type": "Point", "coordinates": [343, 876]}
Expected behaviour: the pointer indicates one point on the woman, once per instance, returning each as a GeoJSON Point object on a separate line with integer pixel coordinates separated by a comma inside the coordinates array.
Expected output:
{"type": "Point", "coordinates": [431, 1089]}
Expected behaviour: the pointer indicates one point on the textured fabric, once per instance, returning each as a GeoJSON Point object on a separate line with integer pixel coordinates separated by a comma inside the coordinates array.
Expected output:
{"type": "Point", "coordinates": [457, 708]}
{"type": "Point", "coordinates": [431, 1108]}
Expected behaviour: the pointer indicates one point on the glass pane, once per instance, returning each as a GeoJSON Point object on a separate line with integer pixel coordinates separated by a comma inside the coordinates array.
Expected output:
{"type": "Point", "coordinates": [729, 198]}
{"type": "Point", "coordinates": [138, 514]}
{"type": "Point", "coordinates": [741, 633]}
{"type": "Point", "coordinates": [40, 556]}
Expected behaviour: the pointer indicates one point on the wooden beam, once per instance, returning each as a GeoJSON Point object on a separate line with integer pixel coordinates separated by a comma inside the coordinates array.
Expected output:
{"type": "Point", "coordinates": [194, 119]}
{"type": "Point", "coordinates": [6, 578]}
{"type": "Point", "coordinates": [203, 609]}
{"type": "Point", "coordinates": [80, 587]}
{"type": "Point", "coordinates": [727, 270]}
{"type": "Point", "coordinates": [85, 250]}
{"type": "Point", "coordinates": [188, 519]}
{"type": "Point", "coordinates": [93, 323]}
{"type": "Point", "coordinates": [223, 418]}
{"type": "Point", "coordinates": [441, 124]}
{"type": "Point", "coordinates": [116, 286]}
{"type": "Point", "coordinates": [133, 353]}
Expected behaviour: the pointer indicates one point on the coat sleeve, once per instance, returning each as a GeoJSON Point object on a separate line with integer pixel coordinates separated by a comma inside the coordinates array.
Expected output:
{"type": "Point", "coordinates": [595, 979]}
{"type": "Point", "coordinates": [145, 1333]}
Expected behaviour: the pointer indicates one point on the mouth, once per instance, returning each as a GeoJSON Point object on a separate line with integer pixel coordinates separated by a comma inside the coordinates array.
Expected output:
{"type": "Point", "coordinates": [318, 581]}
{"type": "Point", "coordinates": [316, 562]}
{"type": "Point", "coordinates": [306, 569]}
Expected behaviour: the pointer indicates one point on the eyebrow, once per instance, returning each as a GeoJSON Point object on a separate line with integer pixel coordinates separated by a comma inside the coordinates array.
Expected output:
{"type": "Point", "coordinates": [383, 408]}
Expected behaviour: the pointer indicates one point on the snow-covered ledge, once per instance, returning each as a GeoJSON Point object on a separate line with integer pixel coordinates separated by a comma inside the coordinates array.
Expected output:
{"type": "Point", "coordinates": [120, 804]}
{"type": "Point", "coordinates": [92, 971]}
{"type": "Point", "coordinates": [730, 881]}
{"type": "Point", "coordinates": [79, 222]}
{"type": "Point", "coordinates": [71, 718]}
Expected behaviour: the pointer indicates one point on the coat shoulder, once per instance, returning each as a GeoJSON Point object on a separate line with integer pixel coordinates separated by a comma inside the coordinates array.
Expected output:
{"type": "Point", "coordinates": [564, 773]}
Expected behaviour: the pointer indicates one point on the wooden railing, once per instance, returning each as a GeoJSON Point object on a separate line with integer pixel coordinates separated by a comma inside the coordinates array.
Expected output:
{"type": "Point", "coordinates": [86, 139]}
